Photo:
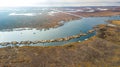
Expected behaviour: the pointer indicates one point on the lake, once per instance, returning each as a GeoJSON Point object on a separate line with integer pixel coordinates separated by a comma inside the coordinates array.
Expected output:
{"type": "Point", "coordinates": [68, 29]}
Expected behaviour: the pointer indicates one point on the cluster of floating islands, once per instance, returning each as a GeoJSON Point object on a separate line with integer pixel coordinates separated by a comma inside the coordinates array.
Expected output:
{"type": "Point", "coordinates": [47, 41]}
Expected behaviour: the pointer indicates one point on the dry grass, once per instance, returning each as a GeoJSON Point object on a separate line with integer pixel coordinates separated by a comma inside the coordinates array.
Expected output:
{"type": "Point", "coordinates": [98, 14]}
{"type": "Point", "coordinates": [116, 22]}
{"type": "Point", "coordinates": [96, 52]}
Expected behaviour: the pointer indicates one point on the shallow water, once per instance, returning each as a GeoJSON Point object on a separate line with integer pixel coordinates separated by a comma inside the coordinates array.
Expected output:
{"type": "Point", "coordinates": [68, 29]}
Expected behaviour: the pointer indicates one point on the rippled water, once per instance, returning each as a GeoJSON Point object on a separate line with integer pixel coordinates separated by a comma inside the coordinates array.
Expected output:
{"type": "Point", "coordinates": [70, 28]}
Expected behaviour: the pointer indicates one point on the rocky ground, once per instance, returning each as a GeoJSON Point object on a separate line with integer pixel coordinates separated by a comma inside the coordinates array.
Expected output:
{"type": "Point", "coordinates": [102, 50]}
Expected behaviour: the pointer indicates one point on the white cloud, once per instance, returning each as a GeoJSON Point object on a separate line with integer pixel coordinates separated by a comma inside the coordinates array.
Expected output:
{"type": "Point", "coordinates": [12, 3]}
{"type": "Point", "coordinates": [78, 0]}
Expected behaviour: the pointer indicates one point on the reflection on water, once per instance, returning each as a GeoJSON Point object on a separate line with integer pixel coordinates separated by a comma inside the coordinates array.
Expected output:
{"type": "Point", "coordinates": [68, 29]}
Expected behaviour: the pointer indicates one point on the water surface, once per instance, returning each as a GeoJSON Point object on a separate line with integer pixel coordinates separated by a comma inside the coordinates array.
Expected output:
{"type": "Point", "coordinates": [68, 29]}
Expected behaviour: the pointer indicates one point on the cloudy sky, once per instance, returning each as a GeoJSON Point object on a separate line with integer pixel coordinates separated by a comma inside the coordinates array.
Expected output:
{"type": "Point", "coordinates": [13, 3]}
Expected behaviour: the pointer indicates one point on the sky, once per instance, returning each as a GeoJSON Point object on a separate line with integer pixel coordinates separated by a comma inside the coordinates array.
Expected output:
{"type": "Point", "coordinates": [16, 3]}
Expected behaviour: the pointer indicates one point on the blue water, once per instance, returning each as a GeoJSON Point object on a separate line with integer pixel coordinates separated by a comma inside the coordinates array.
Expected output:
{"type": "Point", "coordinates": [69, 28]}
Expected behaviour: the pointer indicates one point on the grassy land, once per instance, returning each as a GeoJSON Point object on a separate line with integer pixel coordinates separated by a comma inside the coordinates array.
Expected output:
{"type": "Point", "coordinates": [116, 22]}
{"type": "Point", "coordinates": [98, 14]}
{"type": "Point", "coordinates": [102, 50]}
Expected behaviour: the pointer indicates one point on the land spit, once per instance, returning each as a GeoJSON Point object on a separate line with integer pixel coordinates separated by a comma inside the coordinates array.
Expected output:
{"type": "Point", "coordinates": [47, 41]}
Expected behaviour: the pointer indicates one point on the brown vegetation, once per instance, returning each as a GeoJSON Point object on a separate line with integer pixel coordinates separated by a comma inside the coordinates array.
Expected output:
{"type": "Point", "coordinates": [41, 21]}
{"type": "Point", "coordinates": [97, 14]}
{"type": "Point", "coordinates": [102, 50]}
{"type": "Point", "coordinates": [116, 22]}
{"type": "Point", "coordinates": [51, 21]}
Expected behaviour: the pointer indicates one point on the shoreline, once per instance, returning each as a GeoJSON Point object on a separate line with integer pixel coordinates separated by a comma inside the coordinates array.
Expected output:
{"type": "Point", "coordinates": [49, 41]}
{"type": "Point", "coordinates": [101, 50]}
{"type": "Point", "coordinates": [14, 43]}
{"type": "Point", "coordinates": [62, 18]}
